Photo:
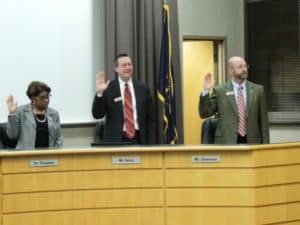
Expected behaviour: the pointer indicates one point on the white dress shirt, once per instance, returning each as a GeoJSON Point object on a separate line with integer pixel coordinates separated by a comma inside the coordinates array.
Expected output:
{"type": "Point", "coordinates": [236, 88]}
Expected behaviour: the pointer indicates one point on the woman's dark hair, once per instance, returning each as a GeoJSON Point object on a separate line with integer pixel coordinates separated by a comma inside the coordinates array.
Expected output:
{"type": "Point", "coordinates": [35, 88]}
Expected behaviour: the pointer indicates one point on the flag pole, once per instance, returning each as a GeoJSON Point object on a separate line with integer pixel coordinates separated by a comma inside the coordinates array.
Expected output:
{"type": "Point", "coordinates": [165, 90]}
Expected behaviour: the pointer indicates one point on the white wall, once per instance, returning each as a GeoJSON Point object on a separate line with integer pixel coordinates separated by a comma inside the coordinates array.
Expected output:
{"type": "Point", "coordinates": [60, 42]}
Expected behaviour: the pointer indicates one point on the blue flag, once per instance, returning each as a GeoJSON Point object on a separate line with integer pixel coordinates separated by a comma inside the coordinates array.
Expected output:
{"type": "Point", "coordinates": [165, 90]}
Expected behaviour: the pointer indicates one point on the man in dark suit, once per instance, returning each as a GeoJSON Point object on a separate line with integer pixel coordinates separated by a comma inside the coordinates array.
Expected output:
{"type": "Point", "coordinates": [125, 122]}
{"type": "Point", "coordinates": [239, 104]}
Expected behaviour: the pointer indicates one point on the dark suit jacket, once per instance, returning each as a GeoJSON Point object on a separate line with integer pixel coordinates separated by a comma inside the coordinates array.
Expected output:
{"type": "Point", "coordinates": [222, 101]}
{"type": "Point", "coordinates": [111, 106]}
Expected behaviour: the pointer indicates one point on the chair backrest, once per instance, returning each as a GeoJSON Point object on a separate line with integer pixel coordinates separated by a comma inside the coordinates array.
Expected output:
{"type": "Point", "coordinates": [4, 139]}
{"type": "Point", "coordinates": [99, 129]}
{"type": "Point", "coordinates": [208, 131]}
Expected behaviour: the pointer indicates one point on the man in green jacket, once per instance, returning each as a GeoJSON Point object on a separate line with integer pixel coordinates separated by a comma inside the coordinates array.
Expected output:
{"type": "Point", "coordinates": [240, 107]}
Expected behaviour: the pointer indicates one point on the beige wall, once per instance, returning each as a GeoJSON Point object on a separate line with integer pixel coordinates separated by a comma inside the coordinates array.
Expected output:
{"type": "Point", "coordinates": [284, 133]}
{"type": "Point", "coordinates": [214, 18]}
{"type": "Point", "coordinates": [79, 136]}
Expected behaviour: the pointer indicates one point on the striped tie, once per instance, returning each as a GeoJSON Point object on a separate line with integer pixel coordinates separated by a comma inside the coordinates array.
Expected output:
{"type": "Point", "coordinates": [242, 112]}
{"type": "Point", "coordinates": [128, 112]}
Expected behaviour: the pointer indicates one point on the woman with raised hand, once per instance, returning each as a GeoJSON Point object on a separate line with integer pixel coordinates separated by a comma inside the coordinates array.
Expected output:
{"type": "Point", "coordinates": [34, 125]}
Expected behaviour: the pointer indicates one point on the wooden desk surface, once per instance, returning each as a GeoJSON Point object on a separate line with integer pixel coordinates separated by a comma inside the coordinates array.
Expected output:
{"type": "Point", "coordinates": [167, 185]}
{"type": "Point", "coordinates": [157, 148]}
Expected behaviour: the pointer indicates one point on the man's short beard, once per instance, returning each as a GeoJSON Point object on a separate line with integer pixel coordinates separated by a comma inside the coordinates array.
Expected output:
{"type": "Point", "coordinates": [243, 76]}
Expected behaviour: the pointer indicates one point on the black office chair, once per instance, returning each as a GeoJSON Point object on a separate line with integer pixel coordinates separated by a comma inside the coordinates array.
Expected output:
{"type": "Point", "coordinates": [5, 140]}
{"type": "Point", "coordinates": [99, 129]}
{"type": "Point", "coordinates": [208, 131]}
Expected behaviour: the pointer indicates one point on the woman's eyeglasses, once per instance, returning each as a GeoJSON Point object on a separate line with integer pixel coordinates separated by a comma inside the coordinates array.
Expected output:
{"type": "Point", "coordinates": [43, 97]}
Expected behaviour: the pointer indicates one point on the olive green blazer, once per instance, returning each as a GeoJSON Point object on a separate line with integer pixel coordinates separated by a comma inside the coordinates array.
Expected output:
{"type": "Point", "coordinates": [222, 102]}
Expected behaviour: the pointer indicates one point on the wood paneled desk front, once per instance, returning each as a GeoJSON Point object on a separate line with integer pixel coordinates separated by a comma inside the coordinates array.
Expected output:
{"type": "Point", "coordinates": [163, 185]}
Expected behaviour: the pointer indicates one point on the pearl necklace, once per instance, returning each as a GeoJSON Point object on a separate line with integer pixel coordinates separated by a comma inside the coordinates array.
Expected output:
{"type": "Point", "coordinates": [40, 121]}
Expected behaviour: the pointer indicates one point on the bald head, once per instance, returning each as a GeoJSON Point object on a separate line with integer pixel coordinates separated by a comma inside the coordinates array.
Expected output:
{"type": "Point", "coordinates": [238, 69]}
{"type": "Point", "coordinates": [235, 60]}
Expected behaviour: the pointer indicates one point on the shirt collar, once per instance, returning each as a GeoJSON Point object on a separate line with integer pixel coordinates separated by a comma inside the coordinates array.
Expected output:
{"type": "Point", "coordinates": [236, 85]}
{"type": "Point", "coordinates": [122, 83]}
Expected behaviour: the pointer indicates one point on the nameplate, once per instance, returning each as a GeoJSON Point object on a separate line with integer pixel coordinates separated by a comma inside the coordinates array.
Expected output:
{"type": "Point", "coordinates": [126, 160]}
{"type": "Point", "coordinates": [43, 162]}
{"type": "Point", "coordinates": [206, 159]}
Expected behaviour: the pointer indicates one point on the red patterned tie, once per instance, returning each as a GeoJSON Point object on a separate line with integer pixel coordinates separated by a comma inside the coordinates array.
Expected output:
{"type": "Point", "coordinates": [242, 112]}
{"type": "Point", "coordinates": [128, 112]}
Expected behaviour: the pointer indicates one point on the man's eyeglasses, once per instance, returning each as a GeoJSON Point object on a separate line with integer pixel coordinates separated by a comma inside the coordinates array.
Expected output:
{"type": "Point", "coordinates": [246, 66]}
{"type": "Point", "coordinates": [125, 64]}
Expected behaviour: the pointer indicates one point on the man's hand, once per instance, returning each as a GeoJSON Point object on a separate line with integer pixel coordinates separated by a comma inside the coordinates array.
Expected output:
{"type": "Point", "coordinates": [11, 105]}
{"type": "Point", "coordinates": [207, 82]}
{"type": "Point", "coordinates": [101, 83]}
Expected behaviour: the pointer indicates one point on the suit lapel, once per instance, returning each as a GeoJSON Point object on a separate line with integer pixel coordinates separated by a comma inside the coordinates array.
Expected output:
{"type": "Point", "coordinates": [116, 89]}
{"type": "Point", "coordinates": [50, 117]}
{"type": "Point", "coordinates": [116, 93]}
{"type": "Point", "coordinates": [250, 96]}
{"type": "Point", "coordinates": [231, 97]}
{"type": "Point", "coordinates": [29, 115]}
{"type": "Point", "coordinates": [137, 95]}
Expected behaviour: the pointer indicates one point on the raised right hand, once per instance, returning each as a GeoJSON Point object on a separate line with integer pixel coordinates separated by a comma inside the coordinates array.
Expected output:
{"type": "Point", "coordinates": [101, 83]}
{"type": "Point", "coordinates": [11, 104]}
{"type": "Point", "coordinates": [207, 82]}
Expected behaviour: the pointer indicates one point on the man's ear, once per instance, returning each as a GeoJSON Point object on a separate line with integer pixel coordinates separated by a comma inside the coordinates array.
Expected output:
{"type": "Point", "coordinates": [116, 69]}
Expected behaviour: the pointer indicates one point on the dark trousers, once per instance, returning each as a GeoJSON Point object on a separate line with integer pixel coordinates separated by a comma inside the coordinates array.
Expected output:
{"type": "Point", "coordinates": [136, 140]}
{"type": "Point", "coordinates": [241, 139]}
